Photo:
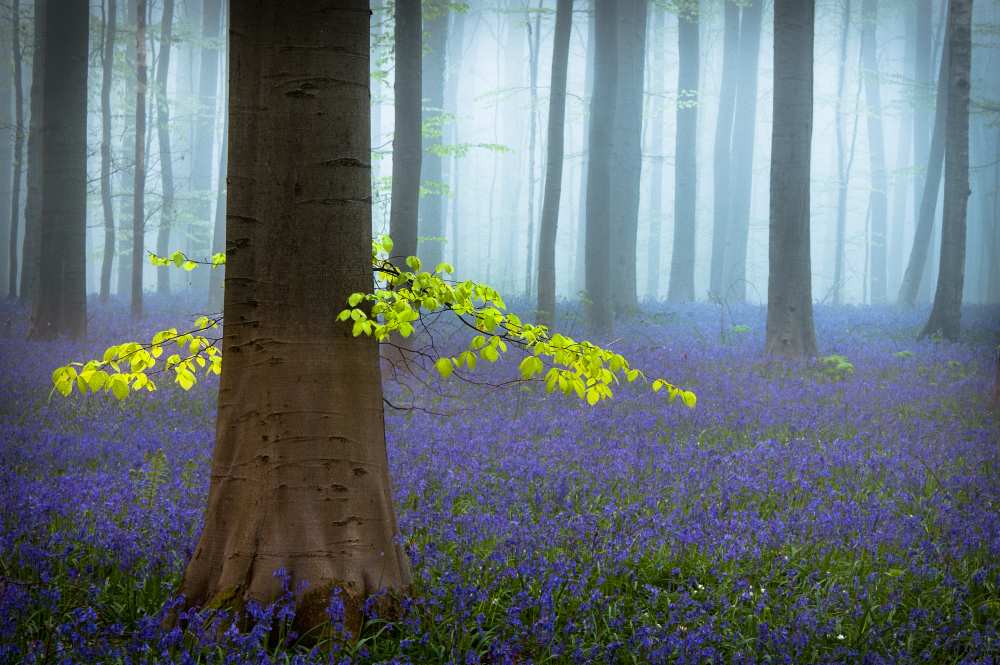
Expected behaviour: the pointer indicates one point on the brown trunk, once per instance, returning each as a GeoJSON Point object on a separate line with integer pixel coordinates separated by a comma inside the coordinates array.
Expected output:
{"type": "Point", "coordinates": [946, 313]}
{"type": "Point", "coordinates": [406, 153]}
{"type": "Point", "coordinates": [300, 475]}
{"type": "Point", "coordinates": [139, 184]}
{"type": "Point", "coordinates": [554, 164]}
{"type": "Point", "coordinates": [107, 207]}
{"type": "Point", "coordinates": [163, 136]}
{"type": "Point", "coordinates": [790, 329]}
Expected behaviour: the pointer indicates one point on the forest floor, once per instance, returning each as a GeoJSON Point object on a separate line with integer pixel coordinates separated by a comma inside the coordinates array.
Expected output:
{"type": "Point", "coordinates": [801, 513]}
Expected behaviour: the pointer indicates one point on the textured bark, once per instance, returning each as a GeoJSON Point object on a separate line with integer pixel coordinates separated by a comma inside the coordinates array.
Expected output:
{"type": "Point", "coordinates": [18, 136]}
{"type": "Point", "coordinates": [878, 198]}
{"type": "Point", "coordinates": [139, 183]}
{"type": "Point", "coordinates": [406, 157]}
{"type": "Point", "coordinates": [61, 305]}
{"type": "Point", "coordinates": [741, 178]}
{"type": "Point", "coordinates": [946, 312]}
{"type": "Point", "coordinates": [200, 230]}
{"type": "Point", "coordinates": [790, 330]}
{"type": "Point", "coordinates": [554, 163]}
{"type": "Point", "coordinates": [107, 205]}
{"type": "Point", "coordinates": [722, 152]}
{"type": "Point", "coordinates": [681, 287]}
{"type": "Point", "coordinates": [626, 170]}
{"type": "Point", "coordinates": [655, 242]}
{"type": "Point", "coordinates": [163, 136]}
{"type": "Point", "coordinates": [430, 244]}
{"type": "Point", "coordinates": [602, 111]}
{"type": "Point", "coordinates": [32, 243]}
{"type": "Point", "coordinates": [299, 472]}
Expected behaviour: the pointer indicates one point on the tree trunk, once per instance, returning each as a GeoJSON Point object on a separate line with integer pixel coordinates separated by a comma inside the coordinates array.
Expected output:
{"type": "Point", "coordinates": [456, 44]}
{"type": "Point", "coordinates": [627, 153]}
{"type": "Point", "coordinates": [163, 134]}
{"type": "Point", "coordinates": [32, 243]}
{"type": "Point", "coordinates": [655, 242]}
{"type": "Point", "coordinates": [741, 178]}
{"type": "Point", "coordinates": [18, 136]}
{"type": "Point", "coordinates": [946, 313]}
{"type": "Point", "coordinates": [534, 44]}
{"type": "Point", "coordinates": [127, 172]}
{"type": "Point", "coordinates": [580, 259]}
{"type": "Point", "coordinates": [790, 329]}
{"type": "Point", "coordinates": [431, 205]}
{"type": "Point", "coordinates": [300, 476]}
{"type": "Point", "coordinates": [61, 306]}
{"type": "Point", "coordinates": [406, 153]}
{"type": "Point", "coordinates": [681, 287]}
{"type": "Point", "coordinates": [107, 207]}
{"type": "Point", "coordinates": [602, 112]}
{"type": "Point", "coordinates": [200, 229]}
{"type": "Point", "coordinates": [139, 184]}
{"type": "Point", "coordinates": [216, 279]}
{"type": "Point", "coordinates": [722, 152]}
{"type": "Point", "coordinates": [554, 164]}
{"type": "Point", "coordinates": [878, 198]}
{"type": "Point", "coordinates": [901, 182]}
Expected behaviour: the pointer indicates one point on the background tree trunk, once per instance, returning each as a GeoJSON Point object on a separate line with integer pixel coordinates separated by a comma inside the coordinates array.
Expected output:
{"type": "Point", "coordinates": [139, 184]}
{"type": "Point", "coordinates": [163, 134]}
{"type": "Point", "coordinates": [681, 287]}
{"type": "Point", "coordinates": [602, 117]}
{"type": "Point", "coordinates": [431, 225]}
{"type": "Point", "coordinates": [655, 242]}
{"type": "Point", "coordinates": [61, 306]}
{"type": "Point", "coordinates": [878, 197]}
{"type": "Point", "coordinates": [554, 164]}
{"type": "Point", "coordinates": [18, 136]}
{"type": "Point", "coordinates": [215, 280]}
{"type": "Point", "coordinates": [902, 179]}
{"type": "Point", "coordinates": [580, 262]}
{"type": "Point", "coordinates": [946, 313]}
{"type": "Point", "coordinates": [300, 476]}
{"type": "Point", "coordinates": [406, 153]}
{"type": "Point", "coordinates": [200, 229]}
{"type": "Point", "coordinates": [456, 45]}
{"type": "Point", "coordinates": [534, 44]}
{"type": "Point", "coordinates": [790, 329]}
{"type": "Point", "coordinates": [107, 206]}
{"type": "Point", "coordinates": [32, 247]}
{"type": "Point", "coordinates": [127, 172]}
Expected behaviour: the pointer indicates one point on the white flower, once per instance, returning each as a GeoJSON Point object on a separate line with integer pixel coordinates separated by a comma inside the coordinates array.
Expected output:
{"type": "Point", "coordinates": [840, 636]}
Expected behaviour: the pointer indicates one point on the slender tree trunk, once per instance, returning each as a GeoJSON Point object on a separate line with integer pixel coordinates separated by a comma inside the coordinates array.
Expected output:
{"type": "Point", "coordinates": [107, 206]}
{"type": "Point", "coordinates": [8, 135]}
{"type": "Point", "coordinates": [139, 185]}
{"type": "Point", "coordinates": [453, 77]}
{"type": "Point", "coordinates": [61, 305]}
{"type": "Point", "coordinates": [946, 312]}
{"type": "Point", "coordinates": [722, 153]}
{"type": "Point", "coordinates": [654, 245]}
{"type": "Point", "coordinates": [215, 280]}
{"type": "Point", "coordinates": [300, 478]}
{"type": "Point", "coordinates": [681, 287]}
{"type": "Point", "coordinates": [901, 182]}
{"type": "Point", "coordinates": [878, 198]}
{"type": "Point", "coordinates": [18, 126]}
{"type": "Point", "coordinates": [580, 262]}
{"type": "Point", "coordinates": [741, 177]}
{"type": "Point", "coordinates": [32, 243]}
{"type": "Point", "coordinates": [626, 153]}
{"type": "Point", "coordinates": [127, 172]}
{"type": "Point", "coordinates": [200, 230]}
{"type": "Point", "coordinates": [843, 170]}
{"type": "Point", "coordinates": [554, 163]}
{"type": "Point", "coordinates": [431, 205]}
{"type": "Point", "coordinates": [602, 112]}
{"type": "Point", "coordinates": [406, 153]}
{"type": "Point", "coordinates": [163, 134]}
{"type": "Point", "coordinates": [790, 330]}
{"type": "Point", "coordinates": [534, 33]}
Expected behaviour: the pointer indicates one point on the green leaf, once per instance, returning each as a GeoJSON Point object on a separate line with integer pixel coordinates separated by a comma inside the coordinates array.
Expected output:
{"type": "Point", "coordinates": [444, 367]}
{"type": "Point", "coordinates": [355, 298]}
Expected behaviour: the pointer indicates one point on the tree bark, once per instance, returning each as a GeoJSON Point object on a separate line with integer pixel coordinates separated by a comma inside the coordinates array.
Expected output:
{"type": "Point", "coordinates": [602, 112]}
{"type": "Point", "coordinates": [107, 206]}
{"type": "Point", "coordinates": [554, 164]}
{"type": "Point", "coordinates": [300, 476]}
{"type": "Point", "coordinates": [139, 184]}
{"type": "Point", "coordinates": [627, 153]}
{"type": "Point", "coordinates": [430, 243]}
{"type": "Point", "coordinates": [878, 197]}
{"type": "Point", "coordinates": [216, 279]}
{"type": "Point", "coordinates": [18, 135]}
{"type": "Point", "coordinates": [722, 152]}
{"type": "Point", "coordinates": [163, 135]}
{"type": "Point", "coordinates": [946, 312]}
{"type": "Point", "coordinates": [406, 153]}
{"type": "Point", "coordinates": [790, 330]}
{"type": "Point", "coordinates": [61, 306]}
{"type": "Point", "coordinates": [681, 287]}
{"type": "Point", "coordinates": [655, 242]}
{"type": "Point", "coordinates": [32, 243]}
{"type": "Point", "coordinates": [741, 178]}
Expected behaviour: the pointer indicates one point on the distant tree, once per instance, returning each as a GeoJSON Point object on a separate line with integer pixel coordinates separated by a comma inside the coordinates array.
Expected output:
{"type": "Point", "coordinates": [61, 305]}
{"type": "Point", "coordinates": [432, 77]}
{"type": "Point", "coordinates": [534, 46]}
{"type": "Point", "coordinates": [843, 161]}
{"type": "Point", "coordinates": [554, 163]}
{"type": "Point", "coordinates": [455, 59]}
{"type": "Point", "coordinates": [32, 243]}
{"type": "Point", "coordinates": [655, 114]}
{"type": "Point", "coordinates": [200, 231]}
{"type": "Point", "coordinates": [681, 288]}
{"type": "Point", "coordinates": [790, 330]}
{"type": "Point", "coordinates": [110, 11]}
{"type": "Point", "coordinates": [18, 136]}
{"type": "Point", "coordinates": [902, 180]}
{"type": "Point", "coordinates": [127, 169]}
{"type": "Point", "coordinates": [406, 142]}
{"type": "Point", "coordinates": [163, 136]}
{"type": "Point", "coordinates": [216, 283]}
{"type": "Point", "coordinates": [139, 184]}
{"type": "Point", "coordinates": [580, 259]}
{"type": "Point", "coordinates": [598, 214]}
{"type": "Point", "coordinates": [878, 198]}
{"type": "Point", "coordinates": [946, 312]}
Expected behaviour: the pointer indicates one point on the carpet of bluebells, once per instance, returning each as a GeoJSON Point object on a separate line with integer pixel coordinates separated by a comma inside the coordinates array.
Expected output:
{"type": "Point", "coordinates": [802, 512]}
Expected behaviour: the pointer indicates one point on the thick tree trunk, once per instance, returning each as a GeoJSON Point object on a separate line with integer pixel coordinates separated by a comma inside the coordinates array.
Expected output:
{"type": "Point", "coordinates": [200, 229]}
{"type": "Point", "coordinates": [107, 206]}
{"type": "Point", "coordinates": [554, 164]}
{"type": "Point", "coordinates": [602, 117]}
{"type": "Point", "coordinates": [61, 305]}
{"type": "Point", "coordinates": [431, 225]}
{"type": "Point", "coordinates": [722, 151]}
{"type": "Point", "coordinates": [878, 197]}
{"type": "Point", "coordinates": [627, 153]}
{"type": "Point", "coordinates": [946, 313]}
{"type": "Point", "coordinates": [655, 242]}
{"type": "Point", "coordinates": [163, 135]}
{"type": "Point", "coordinates": [790, 329]}
{"type": "Point", "coordinates": [300, 476]}
{"type": "Point", "coordinates": [139, 184]}
{"type": "Point", "coordinates": [406, 153]}
{"type": "Point", "coordinates": [32, 243]}
{"type": "Point", "coordinates": [16, 166]}
{"type": "Point", "coordinates": [741, 178]}
{"type": "Point", "coordinates": [681, 287]}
